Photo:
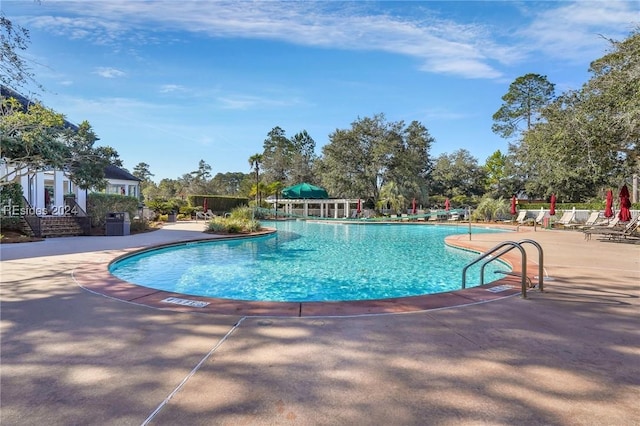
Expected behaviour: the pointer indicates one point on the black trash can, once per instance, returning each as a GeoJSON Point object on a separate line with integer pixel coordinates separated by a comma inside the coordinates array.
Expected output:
{"type": "Point", "coordinates": [118, 224]}
{"type": "Point", "coordinates": [172, 217]}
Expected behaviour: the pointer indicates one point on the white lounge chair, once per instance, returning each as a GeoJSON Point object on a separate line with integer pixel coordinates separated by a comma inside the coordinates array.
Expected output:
{"type": "Point", "coordinates": [540, 217]}
{"type": "Point", "coordinates": [613, 230]}
{"type": "Point", "coordinates": [208, 215]}
{"type": "Point", "coordinates": [591, 221]}
{"type": "Point", "coordinates": [607, 223]}
{"type": "Point", "coordinates": [522, 217]}
{"type": "Point", "coordinates": [567, 218]}
{"type": "Point", "coordinates": [596, 229]}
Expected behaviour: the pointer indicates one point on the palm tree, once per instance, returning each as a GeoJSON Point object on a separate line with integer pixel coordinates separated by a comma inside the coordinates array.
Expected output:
{"type": "Point", "coordinates": [255, 161]}
{"type": "Point", "coordinates": [390, 195]}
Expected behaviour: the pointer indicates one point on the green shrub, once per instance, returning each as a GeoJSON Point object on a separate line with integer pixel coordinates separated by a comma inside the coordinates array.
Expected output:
{"type": "Point", "coordinates": [99, 204]}
{"type": "Point", "coordinates": [10, 199]}
{"type": "Point", "coordinates": [187, 211]}
{"type": "Point", "coordinates": [242, 213]}
{"type": "Point", "coordinates": [163, 218]}
{"type": "Point", "coordinates": [217, 224]}
{"type": "Point", "coordinates": [232, 225]}
{"type": "Point", "coordinates": [139, 225]}
{"type": "Point", "coordinates": [162, 206]}
{"type": "Point", "coordinates": [253, 226]}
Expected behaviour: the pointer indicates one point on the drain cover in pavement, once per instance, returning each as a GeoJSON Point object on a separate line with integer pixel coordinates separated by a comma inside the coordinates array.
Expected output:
{"type": "Point", "coordinates": [499, 288]}
{"type": "Point", "coordinates": [185, 302]}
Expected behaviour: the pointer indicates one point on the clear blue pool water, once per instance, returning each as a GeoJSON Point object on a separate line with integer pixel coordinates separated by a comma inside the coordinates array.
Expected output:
{"type": "Point", "coordinates": [311, 261]}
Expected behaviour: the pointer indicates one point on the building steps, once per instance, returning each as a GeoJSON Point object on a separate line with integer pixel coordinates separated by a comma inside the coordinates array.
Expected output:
{"type": "Point", "coordinates": [61, 226]}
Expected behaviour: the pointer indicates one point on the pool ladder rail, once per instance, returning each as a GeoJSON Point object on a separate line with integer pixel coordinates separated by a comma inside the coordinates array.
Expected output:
{"type": "Point", "coordinates": [506, 247]}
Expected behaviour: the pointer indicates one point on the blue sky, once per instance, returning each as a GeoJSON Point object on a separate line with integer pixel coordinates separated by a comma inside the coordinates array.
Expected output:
{"type": "Point", "coordinates": [172, 82]}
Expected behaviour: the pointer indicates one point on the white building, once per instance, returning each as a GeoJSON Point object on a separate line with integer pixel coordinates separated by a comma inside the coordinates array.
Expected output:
{"type": "Point", "coordinates": [121, 182]}
{"type": "Point", "coordinates": [45, 191]}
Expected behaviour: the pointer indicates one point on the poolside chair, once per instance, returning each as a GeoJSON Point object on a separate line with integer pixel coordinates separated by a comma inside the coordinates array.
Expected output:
{"type": "Point", "coordinates": [540, 217]}
{"type": "Point", "coordinates": [607, 223]}
{"type": "Point", "coordinates": [208, 215]}
{"type": "Point", "coordinates": [522, 216]}
{"type": "Point", "coordinates": [567, 218]}
{"type": "Point", "coordinates": [629, 232]}
{"type": "Point", "coordinates": [591, 221]}
{"type": "Point", "coordinates": [613, 230]}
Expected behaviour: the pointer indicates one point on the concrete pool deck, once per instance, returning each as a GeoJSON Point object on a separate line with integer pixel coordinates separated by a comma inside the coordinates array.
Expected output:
{"type": "Point", "coordinates": [567, 356]}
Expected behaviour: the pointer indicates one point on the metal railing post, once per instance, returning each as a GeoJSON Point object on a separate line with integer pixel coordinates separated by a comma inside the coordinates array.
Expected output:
{"type": "Point", "coordinates": [540, 262]}
{"type": "Point", "coordinates": [510, 246]}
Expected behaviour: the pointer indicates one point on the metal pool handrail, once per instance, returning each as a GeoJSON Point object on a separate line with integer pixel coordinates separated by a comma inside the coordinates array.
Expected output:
{"type": "Point", "coordinates": [511, 245]}
{"type": "Point", "coordinates": [508, 249]}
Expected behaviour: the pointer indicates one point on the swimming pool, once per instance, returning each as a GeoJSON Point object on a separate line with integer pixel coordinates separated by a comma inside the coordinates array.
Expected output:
{"type": "Point", "coordinates": [311, 261]}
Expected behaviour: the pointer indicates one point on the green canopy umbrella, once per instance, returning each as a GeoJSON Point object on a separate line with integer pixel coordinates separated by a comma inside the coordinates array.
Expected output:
{"type": "Point", "coordinates": [305, 190]}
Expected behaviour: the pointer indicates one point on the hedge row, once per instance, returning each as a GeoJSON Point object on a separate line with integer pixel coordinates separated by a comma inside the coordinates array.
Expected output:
{"type": "Point", "coordinates": [569, 206]}
{"type": "Point", "coordinates": [218, 204]}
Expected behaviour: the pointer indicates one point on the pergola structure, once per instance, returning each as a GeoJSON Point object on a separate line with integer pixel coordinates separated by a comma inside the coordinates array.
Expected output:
{"type": "Point", "coordinates": [336, 208]}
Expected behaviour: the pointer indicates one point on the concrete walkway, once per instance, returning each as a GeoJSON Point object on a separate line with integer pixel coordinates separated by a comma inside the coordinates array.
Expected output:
{"type": "Point", "coordinates": [568, 356]}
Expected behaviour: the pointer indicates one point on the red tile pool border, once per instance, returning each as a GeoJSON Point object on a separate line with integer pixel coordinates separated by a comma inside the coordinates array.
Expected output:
{"type": "Point", "coordinates": [96, 278]}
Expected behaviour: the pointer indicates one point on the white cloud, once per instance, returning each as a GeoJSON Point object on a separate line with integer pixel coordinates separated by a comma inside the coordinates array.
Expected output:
{"type": "Point", "coordinates": [575, 31]}
{"type": "Point", "coordinates": [245, 102]}
{"type": "Point", "coordinates": [170, 88]}
{"type": "Point", "coordinates": [109, 72]}
{"type": "Point", "coordinates": [96, 28]}
{"type": "Point", "coordinates": [561, 29]}
{"type": "Point", "coordinates": [441, 46]}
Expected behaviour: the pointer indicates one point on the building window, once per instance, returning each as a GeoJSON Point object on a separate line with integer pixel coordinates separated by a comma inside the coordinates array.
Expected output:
{"type": "Point", "coordinates": [113, 189]}
{"type": "Point", "coordinates": [133, 190]}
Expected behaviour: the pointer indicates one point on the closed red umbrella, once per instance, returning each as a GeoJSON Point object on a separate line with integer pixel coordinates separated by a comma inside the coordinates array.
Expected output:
{"type": "Point", "coordinates": [608, 210]}
{"type": "Point", "coordinates": [625, 204]}
{"type": "Point", "coordinates": [552, 209]}
{"type": "Point", "coordinates": [205, 207]}
{"type": "Point", "coordinates": [447, 204]}
{"type": "Point", "coordinates": [359, 206]}
{"type": "Point", "coordinates": [513, 206]}
{"type": "Point", "coordinates": [413, 206]}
